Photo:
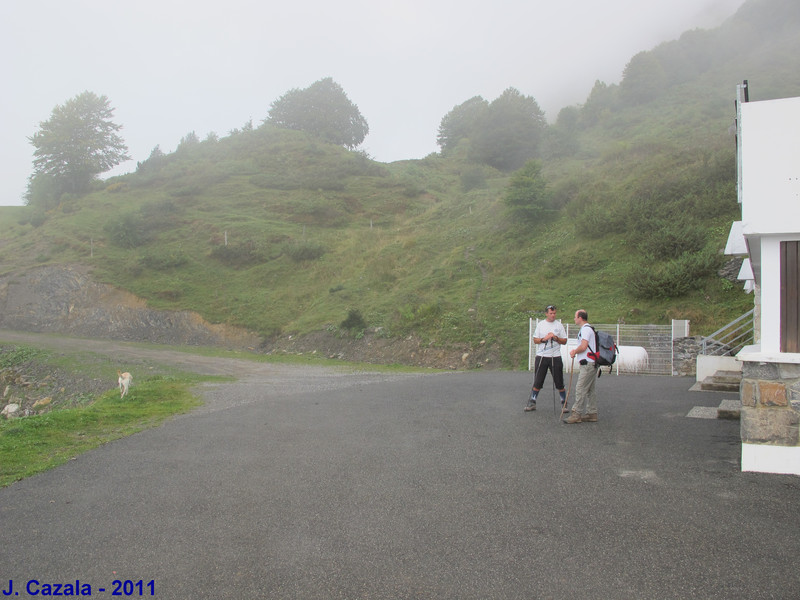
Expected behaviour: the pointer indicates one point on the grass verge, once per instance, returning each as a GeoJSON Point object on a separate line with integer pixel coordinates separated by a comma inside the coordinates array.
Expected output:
{"type": "Point", "coordinates": [30, 445]}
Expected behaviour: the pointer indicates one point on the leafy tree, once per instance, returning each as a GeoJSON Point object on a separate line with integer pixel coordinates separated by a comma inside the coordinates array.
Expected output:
{"type": "Point", "coordinates": [602, 100]}
{"type": "Point", "coordinates": [77, 143]}
{"type": "Point", "coordinates": [43, 192]}
{"type": "Point", "coordinates": [190, 139]}
{"type": "Point", "coordinates": [643, 79]}
{"type": "Point", "coordinates": [460, 123]}
{"type": "Point", "coordinates": [526, 194]}
{"type": "Point", "coordinates": [509, 132]}
{"type": "Point", "coordinates": [562, 138]}
{"type": "Point", "coordinates": [324, 111]}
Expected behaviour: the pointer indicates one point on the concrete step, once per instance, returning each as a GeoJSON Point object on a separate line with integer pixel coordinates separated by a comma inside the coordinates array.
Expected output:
{"type": "Point", "coordinates": [728, 376]}
{"type": "Point", "coordinates": [722, 381]}
{"type": "Point", "coordinates": [710, 385]}
{"type": "Point", "coordinates": [730, 409]}
{"type": "Point", "coordinates": [727, 409]}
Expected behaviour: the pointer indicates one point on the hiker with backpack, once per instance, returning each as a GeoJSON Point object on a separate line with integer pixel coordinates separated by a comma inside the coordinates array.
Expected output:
{"type": "Point", "coordinates": [584, 410]}
{"type": "Point", "coordinates": [549, 336]}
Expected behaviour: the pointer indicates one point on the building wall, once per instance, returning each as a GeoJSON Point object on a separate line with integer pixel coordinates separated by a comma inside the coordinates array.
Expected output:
{"type": "Point", "coordinates": [770, 194]}
{"type": "Point", "coordinates": [770, 170]}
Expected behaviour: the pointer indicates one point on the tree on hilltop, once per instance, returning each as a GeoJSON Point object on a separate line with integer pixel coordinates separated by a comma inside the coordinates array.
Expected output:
{"type": "Point", "coordinates": [505, 133]}
{"type": "Point", "coordinates": [323, 110]}
{"type": "Point", "coordinates": [78, 142]}
{"type": "Point", "coordinates": [510, 132]}
{"type": "Point", "coordinates": [460, 123]}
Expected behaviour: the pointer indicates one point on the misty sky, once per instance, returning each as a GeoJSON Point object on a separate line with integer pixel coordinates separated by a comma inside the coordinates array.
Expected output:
{"type": "Point", "coordinates": [171, 67]}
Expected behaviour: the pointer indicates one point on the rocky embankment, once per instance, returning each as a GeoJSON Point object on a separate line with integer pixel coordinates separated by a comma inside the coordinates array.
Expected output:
{"type": "Point", "coordinates": [59, 299]}
{"type": "Point", "coordinates": [65, 300]}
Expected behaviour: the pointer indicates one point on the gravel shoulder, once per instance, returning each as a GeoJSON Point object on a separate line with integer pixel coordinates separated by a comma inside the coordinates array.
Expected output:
{"type": "Point", "coordinates": [278, 378]}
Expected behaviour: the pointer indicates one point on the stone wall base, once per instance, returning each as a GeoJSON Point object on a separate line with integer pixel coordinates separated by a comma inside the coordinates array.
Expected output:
{"type": "Point", "coordinates": [781, 460]}
{"type": "Point", "coordinates": [770, 416]}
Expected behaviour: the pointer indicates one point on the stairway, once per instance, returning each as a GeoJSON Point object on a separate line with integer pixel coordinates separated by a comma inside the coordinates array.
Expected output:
{"type": "Point", "coordinates": [721, 381]}
{"type": "Point", "coordinates": [727, 409]}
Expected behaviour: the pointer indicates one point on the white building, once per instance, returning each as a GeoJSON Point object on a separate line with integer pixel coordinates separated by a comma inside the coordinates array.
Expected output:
{"type": "Point", "coordinates": [768, 142]}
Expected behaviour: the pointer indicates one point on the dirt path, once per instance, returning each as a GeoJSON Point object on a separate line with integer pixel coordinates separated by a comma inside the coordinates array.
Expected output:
{"type": "Point", "coordinates": [127, 352]}
{"type": "Point", "coordinates": [253, 378]}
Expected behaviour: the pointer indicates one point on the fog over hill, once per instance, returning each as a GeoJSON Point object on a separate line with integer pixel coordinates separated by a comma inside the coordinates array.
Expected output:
{"type": "Point", "coordinates": [211, 67]}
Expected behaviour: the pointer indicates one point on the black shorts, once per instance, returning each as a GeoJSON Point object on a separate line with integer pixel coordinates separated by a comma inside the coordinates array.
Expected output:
{"type": "Point", "coordinates": [540, 366]}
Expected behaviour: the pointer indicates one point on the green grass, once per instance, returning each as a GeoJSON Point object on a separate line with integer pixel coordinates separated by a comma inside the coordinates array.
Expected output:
{"type": "Point", "coordinates": [428, 247]}
{"type": "Point", "coordinates": [29, 445]}
{"type": "Point", "coordinates": [36, 443]}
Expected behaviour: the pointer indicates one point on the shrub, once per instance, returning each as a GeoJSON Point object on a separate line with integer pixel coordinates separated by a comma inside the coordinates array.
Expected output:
{"type": "Point", "coordinates": [118, 186]}
{"type": "Point", "coordinates": [239, 255]}
{"type": "Point", "coordinates": [354, 321]}
{"type": "Point", "coordinates": [301, 251]}
{"type": "Point", "coordinates": [526, 194]}
{"type": "Point", "coordinates": [659, 241]}
{"type": "Point", "coordinates": [599, 220]}
{"type": "Point", "coordinates": [129, 231]}
{"type": "Point", "coordinates": [473, 178]}
{"type": "Point", "coordinates": [674, 278]}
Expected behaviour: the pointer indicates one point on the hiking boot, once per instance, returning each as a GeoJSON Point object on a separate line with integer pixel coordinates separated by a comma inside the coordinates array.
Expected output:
{"type": "Point", "coordinates": [531, 405]}
{"type": "Point", "coordinates": [592, 418]}
{"type": "Point", "coordinates": [575, 417]}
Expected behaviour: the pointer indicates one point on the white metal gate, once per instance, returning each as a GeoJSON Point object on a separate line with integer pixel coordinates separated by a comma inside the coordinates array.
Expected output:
{"type": "Point", "coordinates": [643, 349]}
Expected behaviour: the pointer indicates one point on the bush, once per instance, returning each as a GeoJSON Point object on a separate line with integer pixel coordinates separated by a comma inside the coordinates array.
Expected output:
{"type": "Point", "coordinates": [116, 187]}
{"type": "Point", "coordinates": [129, 231]}
{"type": "Point", "coordinates": [674, 278]}
{"type": "Point", "coordinates": [354, 321]}
{"type": "Point", "coordinates": [526, 194]}
{"type": "Point", "coordinates": [299, 252]}
{"type": "Point", "coordinates": [473, 178]}
{"type": "Point", "coordinates": [239, 255]}
{"type": "Point", "coordinates": [660, 241]}
{"type": "Point", "coordinates": [599, 220]}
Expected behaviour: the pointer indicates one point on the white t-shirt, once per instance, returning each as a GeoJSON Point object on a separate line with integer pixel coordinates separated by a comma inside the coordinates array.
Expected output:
{"type": "Point", "coordinates": [550, 348]}
{"type": "Point", "coordinates": [586, 333]}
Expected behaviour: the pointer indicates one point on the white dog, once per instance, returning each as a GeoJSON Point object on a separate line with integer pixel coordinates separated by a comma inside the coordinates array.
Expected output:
{"type": "Point", "coordinates": [124, 380]}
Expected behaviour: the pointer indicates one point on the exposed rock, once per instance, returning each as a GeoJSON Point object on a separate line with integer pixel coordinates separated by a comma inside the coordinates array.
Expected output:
{"type": "Point", "coordinates": [42, 402]}
{"type": "Point", "coordinates": [10, 410]}
{"type": "Point", "coordinates": [64, 299]}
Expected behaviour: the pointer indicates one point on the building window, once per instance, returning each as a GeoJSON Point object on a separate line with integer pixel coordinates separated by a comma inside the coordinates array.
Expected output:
{"type": "Point", "coordinates": [790, 296]}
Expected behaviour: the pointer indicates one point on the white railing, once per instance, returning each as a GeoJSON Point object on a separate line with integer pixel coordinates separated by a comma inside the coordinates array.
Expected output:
{"type": "Point", "coordinates": [728, 340]}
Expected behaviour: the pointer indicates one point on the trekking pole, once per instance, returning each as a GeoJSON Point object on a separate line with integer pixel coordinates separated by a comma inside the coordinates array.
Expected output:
{"type": "Point", "coordinates": [553, 377]}
{"type": "Point", "coordinates": [569, 389]}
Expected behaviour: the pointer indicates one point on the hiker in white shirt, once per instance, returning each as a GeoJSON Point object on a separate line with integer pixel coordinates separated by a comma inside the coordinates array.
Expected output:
{"type": "Point", "coordinates": [549, 336]}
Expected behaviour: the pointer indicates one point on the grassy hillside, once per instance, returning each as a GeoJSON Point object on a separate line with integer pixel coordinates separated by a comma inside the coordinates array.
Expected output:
{"type": "Point", "coordinates": [283, 234]}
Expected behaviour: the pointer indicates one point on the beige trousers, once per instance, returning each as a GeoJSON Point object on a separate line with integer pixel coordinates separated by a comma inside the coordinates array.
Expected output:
{"type": "Point", "coordinates": [585, 396]}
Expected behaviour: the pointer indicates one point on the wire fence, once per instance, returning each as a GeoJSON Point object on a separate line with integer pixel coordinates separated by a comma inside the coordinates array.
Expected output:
{"type": "Point", "coordinates": [643, 349]}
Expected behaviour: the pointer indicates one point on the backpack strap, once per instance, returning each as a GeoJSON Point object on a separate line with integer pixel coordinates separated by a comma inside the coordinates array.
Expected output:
{"type": "Point", "coordinates": [594, 355]}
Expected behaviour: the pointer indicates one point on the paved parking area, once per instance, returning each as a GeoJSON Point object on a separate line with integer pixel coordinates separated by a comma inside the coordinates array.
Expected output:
{"type": "Point", "coordinates": [413, 486]}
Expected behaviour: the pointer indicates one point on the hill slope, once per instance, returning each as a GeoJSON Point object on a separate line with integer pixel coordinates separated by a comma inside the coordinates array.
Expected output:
{"type": "Point", "coordinates": [284, 235]}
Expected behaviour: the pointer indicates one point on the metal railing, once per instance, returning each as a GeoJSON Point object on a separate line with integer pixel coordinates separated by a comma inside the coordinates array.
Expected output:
{"type": "Point", "coordinates": [728, 340]}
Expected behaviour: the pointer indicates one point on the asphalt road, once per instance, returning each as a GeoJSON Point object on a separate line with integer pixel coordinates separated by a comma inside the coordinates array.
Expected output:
{"type": "Point", "coordinates": [412, 486]}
